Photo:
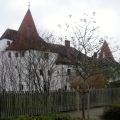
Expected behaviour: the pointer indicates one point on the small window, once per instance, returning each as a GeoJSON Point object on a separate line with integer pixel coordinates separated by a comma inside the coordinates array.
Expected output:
{"type": "Point", "coordinates": [16, 66]}
{"type": "Point", "coordinates": [23, 54]}
{"type": "Point", "coordinates": [8, 42]}
{"type": "Point", "coordinates": [46, 56]}
{"type": "Point", "coordinates": [65, 87]}
{"type": "Point", "coordinates": [103, 54]}
{"type": "Point", "coordinates": [49, 72]}
{"type": "Point", "coordinates": [16, 54]}
{"type": "Point", "coordinates": [41, 72]}
{"type": "Point", "coordinates": [9, 55]}
{"type": "Point", "coordinates": [68, 71]}
{"type": "Point", "coordinates": [20, 87]}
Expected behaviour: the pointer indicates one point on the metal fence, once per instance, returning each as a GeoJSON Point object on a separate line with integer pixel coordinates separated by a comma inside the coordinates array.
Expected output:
{"type": "Point", "coordinates": [35, 103]}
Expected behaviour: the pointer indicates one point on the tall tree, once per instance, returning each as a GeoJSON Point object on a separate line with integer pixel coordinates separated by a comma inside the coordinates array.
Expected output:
{"type": "Point", "coordinates": [84, 37]}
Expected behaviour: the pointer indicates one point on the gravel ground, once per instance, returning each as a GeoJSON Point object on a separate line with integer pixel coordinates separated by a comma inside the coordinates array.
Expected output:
{"type": "Point", "coordinates": [93, 113]}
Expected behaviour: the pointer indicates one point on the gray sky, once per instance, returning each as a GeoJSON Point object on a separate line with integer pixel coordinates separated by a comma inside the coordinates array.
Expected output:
{"type": "Point", "coordinates": [48, 14]}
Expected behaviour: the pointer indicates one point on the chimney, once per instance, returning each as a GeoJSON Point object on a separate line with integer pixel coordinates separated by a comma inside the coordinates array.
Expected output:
{"type": "Point", "coordinates": [67, 43]}
{"type": "Point", "coordinates": [29, 31]}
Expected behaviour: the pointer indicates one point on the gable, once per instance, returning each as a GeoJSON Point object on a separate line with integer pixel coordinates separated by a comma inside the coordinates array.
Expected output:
{"type": "Point", "coordinates": [27, 23]}
{"type": "Point", "coordinates": [106, 52]}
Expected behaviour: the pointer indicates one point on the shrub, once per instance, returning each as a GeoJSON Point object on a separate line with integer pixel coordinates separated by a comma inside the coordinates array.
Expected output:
{"type": "Point", "coordinates": [54, 116]}
{"type": "Point", "coordinates": [112, 112]}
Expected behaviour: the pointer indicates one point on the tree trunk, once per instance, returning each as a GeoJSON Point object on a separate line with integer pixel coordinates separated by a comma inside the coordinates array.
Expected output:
{"type": "Point", "coordinates": [83, 99]}
{"type": "Point", "coordinates": [78, 98]}
{"type": "Point", "coordinates": [88, 100]}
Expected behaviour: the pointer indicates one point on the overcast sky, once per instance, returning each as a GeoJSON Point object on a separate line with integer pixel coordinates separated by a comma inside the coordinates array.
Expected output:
{"type": "Point", "coordinates": [48, 14]}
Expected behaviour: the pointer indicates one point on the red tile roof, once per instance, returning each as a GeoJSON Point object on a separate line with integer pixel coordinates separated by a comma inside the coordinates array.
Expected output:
{"type": "Point", "coordinates": [9, 34]}
{"type": "Point", "coordinates": [105, 48]}
{"type": "Point", "coordinates": [21, 41]}
{"type": "Point", "coordinates": [27, 21]}
{"type": "Point", "coordinates": [24, 42]}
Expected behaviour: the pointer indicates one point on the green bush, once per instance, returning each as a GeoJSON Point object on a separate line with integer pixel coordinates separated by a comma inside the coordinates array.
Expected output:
{"type": "Point", "coordinates": [112, 112]}
{"type": "Point", "coordinates": [54, 116]}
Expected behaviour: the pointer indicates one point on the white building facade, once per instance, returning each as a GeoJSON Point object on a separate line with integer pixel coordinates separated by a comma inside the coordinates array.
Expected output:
{"type": "Point", "coordinates": [29, 64]}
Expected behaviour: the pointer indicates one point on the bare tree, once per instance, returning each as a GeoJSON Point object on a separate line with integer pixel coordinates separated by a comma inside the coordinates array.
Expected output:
{"type": "Point", "coordinates": [87, 43]}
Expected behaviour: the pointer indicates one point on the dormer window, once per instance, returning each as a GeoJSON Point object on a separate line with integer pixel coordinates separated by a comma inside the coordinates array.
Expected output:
{"type": "Point", "coordinates": [29, 30]}
{"type": "Point", "coordinates": [8, 42]}
{"type": "Point", "coordinates": [103, 54]}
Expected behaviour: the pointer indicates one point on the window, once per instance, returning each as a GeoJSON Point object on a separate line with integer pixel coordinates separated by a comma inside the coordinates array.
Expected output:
{"type": "Point", "coordinates": [41, 72]}
{"type": "Point", "coordinates": [46, 56]}
{"type": "Point", "coordinates": [29, 30]}
{"type": "Point", "coordinates": [68, 71]}
{"type": "Point", "coordinates": [16, 54]}
{"type": "Point", "coordinates": [58, 72]}
{"type": "Point", "coordinates": [8, 42]}
{"type": "Point", "coordinates": [9, 55]}
{"type": "Point", "coordinates": [103, 54]}
{"type": "Point", "coordinates": [49, 72]}
{"type": "Point", "coordinates": [23, 54]}
{"type": "Point", "coordinates": [16, 66]}
{"type": "Point", "coordinates": [20, 87]}
{"type": "Point", "coordinates": [65, 87]}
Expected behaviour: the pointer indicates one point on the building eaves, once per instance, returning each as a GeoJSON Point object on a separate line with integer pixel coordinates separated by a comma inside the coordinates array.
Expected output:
{"type": "Point", "coordinates": [9, 34]}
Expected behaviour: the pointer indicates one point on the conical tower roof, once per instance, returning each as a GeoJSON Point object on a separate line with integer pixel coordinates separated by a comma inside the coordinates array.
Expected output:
{"type": "Point", "coordinates": [27, 22]}
{"type": "Point", "coordinates": [106, 51]}
{"type": "Point", "coordinates": [27, 36]}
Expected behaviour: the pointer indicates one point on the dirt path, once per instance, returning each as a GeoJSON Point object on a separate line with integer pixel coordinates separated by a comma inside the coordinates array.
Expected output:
{"type": "Point", "coordinates": [94, 113]}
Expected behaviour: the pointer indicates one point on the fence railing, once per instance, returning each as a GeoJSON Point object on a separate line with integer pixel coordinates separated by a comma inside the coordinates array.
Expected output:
{"type": "Point", "coordinates": [35, 103]}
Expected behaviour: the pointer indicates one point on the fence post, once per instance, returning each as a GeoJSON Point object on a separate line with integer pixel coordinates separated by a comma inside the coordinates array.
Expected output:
{"type": "Point", "coordinates": [13, 102]}
{"type": "Point", "coordinates": [88, 102]}
{"type": "Point", "coordinates": [61, 99]}
{"type": "Point", "coordinates": [3, 104]}
{"type": "Point", "coordinates": [78, 99]}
